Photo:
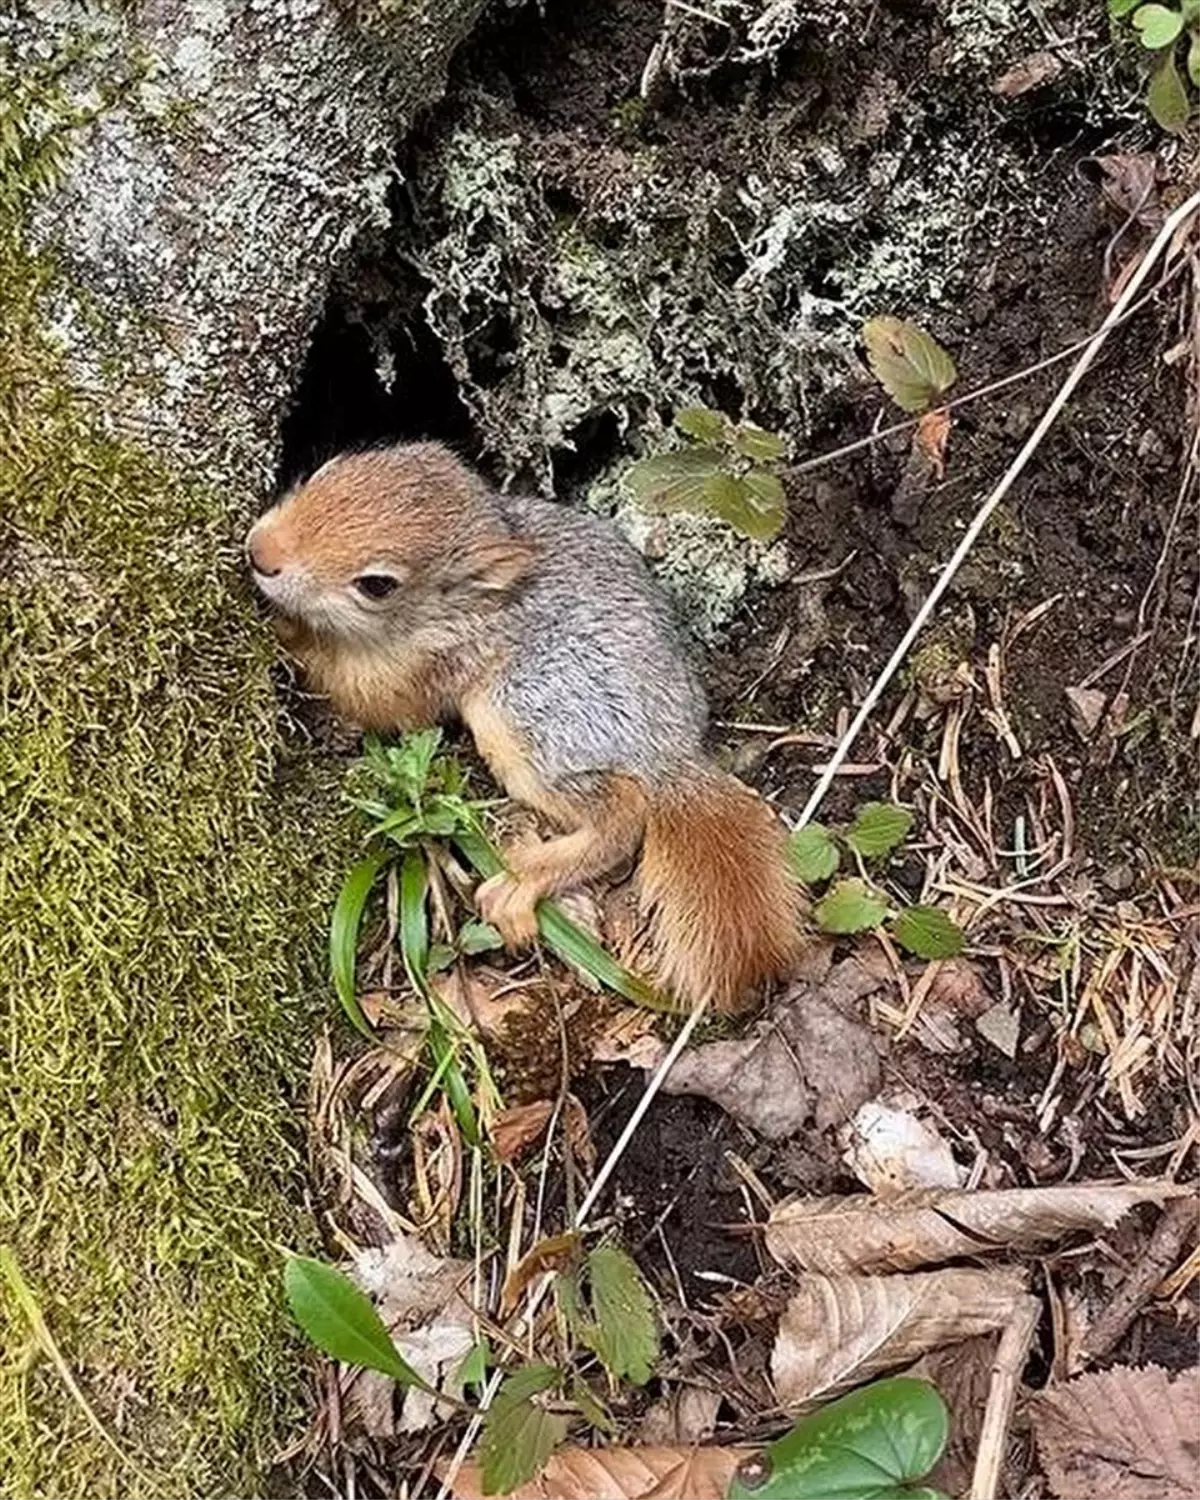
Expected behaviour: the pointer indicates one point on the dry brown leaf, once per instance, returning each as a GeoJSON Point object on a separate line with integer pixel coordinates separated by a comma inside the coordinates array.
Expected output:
{"type": "Point", "coordinates": [620, 1474]}
{"type": "Point", "coordinates": [862, 1233]}
{"type": "Point", "coordinates": [956, 992]}
{"type": "Point", "coordinates": [1030, 73]}
{"type": "Point", "coordinates": [553, 1254]}
{"type": "Point", "coordinates": [806, 1062]}
{"type": "Point", "coordinates": [932, 434]}
{"type": "Point", "coordinates": [1121, 1434]}
{"type": "Point", "coordinates": [1129, 183]}
{"type": "Point", "coordinates": [839, 1331]}
{"type": "Point", "coordinates": [514, 1129]}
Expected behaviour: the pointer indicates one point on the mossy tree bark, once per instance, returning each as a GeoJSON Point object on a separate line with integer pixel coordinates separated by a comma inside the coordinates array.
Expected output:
{"type": "Point", "coordinates": [177, 183]}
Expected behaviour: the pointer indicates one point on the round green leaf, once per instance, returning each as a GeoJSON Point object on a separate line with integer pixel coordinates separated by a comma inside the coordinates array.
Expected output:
{"type": "Point", "coordinates": [908, 363]}
{"type": "Point", "coordinates": [341, 1320]}
{"type": "Point", "coordinates": [928, 932]}
{"type": "Point", "coordinates": [866, 1446]}
{"type": "Point", "coordinates": [813, 854]}
{"type": "Point", "coordinates": [478, 937]}
{"type": "Point", "coordinates": [1193, 59]}
{"type": "Point", "coordinates": [1166, 98]}
{"type": "Point", "coordinates": [1158, 25]}
{"type": "Point", "coordinates": [702, 423]}
{"type": "Point", "coordinates": [850, 906]}
{"type": "Point", "coordinates": [1119, 8]}
{"type": "Point", "coordinates": [878, 828]}
{"type": "Point", "coordinates": [758, 444]}
{"type": "Point", "coordinates": [746, 504]}
{"type": "Point", "coordinates": [673, 481]}
{"type": "Point", "coordinates": [770, 501]}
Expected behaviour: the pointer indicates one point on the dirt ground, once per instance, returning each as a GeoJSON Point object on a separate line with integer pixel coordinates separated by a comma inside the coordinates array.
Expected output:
{"type": "Point", "coordinates": [1087, 577]}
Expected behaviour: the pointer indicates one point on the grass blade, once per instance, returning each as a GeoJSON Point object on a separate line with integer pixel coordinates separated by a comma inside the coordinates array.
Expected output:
{"type": "Point", "coordinates": [343, 934]}
{"type": "Point", "coordinates": [414, 917]}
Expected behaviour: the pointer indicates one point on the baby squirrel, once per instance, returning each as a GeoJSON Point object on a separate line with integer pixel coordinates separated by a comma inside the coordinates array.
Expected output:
{"type": "Point", "coordinates": [414, 594]}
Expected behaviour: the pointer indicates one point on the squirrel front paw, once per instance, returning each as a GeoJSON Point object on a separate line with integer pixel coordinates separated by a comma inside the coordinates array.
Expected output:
{"type": "Point", "coordinates": [509, 904]}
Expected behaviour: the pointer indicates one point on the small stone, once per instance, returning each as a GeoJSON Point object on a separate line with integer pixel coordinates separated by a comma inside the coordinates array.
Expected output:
{"type": "Point", "coordinates": [1119, 877]}
{"type": "Point", "coordinates": [1000, 1024]}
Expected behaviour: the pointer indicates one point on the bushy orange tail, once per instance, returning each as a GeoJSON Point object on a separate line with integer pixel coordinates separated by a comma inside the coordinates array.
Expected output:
{"type": "Point", "coordinates": [717, 889]}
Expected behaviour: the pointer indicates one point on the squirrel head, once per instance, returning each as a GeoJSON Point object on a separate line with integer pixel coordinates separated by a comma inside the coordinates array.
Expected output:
{"type": "Point", "coordinates": [381, 543]}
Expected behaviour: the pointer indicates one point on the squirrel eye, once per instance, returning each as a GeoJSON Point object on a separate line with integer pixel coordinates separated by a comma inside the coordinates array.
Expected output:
{"type": "Point", "coordinates": [376, 585]}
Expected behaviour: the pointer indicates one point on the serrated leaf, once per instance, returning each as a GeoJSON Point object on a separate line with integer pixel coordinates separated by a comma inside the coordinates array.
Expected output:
{"type": "Point", "coordinates": [752, 504]}
{"type": "Point", "coordinates": [518, 1436]}
{"type": "Point", "coordinates": [625, 1333]}
{"type": "Point", "coordinates": [878, 828]}
{"type": "Point", "coordinates": [344, 927]}
{"type": "Point", "coordinates": [342, 1320]}
{"type": "Point", "coordinates": [868, 1445]}
{"type": "Point", "coordinates": [673, 481]}
{"type": "Point", "coordinates": [850, 906]}
{"type": "Point", "coordinates": [1158, 25]}
{"type": "Point", "coordinates": [478, 937]}
{"type": "Point", "coordinates": [1166, 97]}
{"type": "Point", "coordinates": [758, 444]}
{"type": "Point", "coordinates": [928, 932]}
{"type": "Point", "coordinates": [813, 854]}
{"type": "Point", "coordinates": [909, 364]}
{"type": "Point", "coordinates": [702, 423]}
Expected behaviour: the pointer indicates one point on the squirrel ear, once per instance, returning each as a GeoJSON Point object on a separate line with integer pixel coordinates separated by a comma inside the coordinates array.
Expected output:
{"type": "Point", "coordinates": [496, 566]}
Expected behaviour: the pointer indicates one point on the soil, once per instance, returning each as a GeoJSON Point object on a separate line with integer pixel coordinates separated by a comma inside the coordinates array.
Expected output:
{"type": "Point", "coordinates": [1088, 532]}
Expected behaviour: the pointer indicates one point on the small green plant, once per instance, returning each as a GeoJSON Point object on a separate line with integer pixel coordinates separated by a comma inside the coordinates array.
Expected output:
{"type": "Point", "coordinates": [856, 904]}
{"type": "Point", "coordinates": [869, 1445]}
{"type": "Point", "coordinates": [1165, 31]}
{"type": "Point", "coordinates": [520, 1432]}
{"type": "Point", "coordinates": [908, 363]}
{"type": "Point", "coordinates": [726, 469]}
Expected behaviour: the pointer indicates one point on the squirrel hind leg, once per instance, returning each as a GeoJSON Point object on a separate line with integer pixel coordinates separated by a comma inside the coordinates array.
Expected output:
{"type": "Point", "coordinates": [611, 822]}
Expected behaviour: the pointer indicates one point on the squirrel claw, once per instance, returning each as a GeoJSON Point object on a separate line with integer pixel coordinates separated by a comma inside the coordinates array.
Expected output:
{"type": "Point", "coordinates": [508, 903]}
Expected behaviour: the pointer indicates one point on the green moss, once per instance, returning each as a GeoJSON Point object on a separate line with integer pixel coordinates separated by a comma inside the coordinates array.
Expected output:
{"type": "Point", "coordinates": [163, 869]}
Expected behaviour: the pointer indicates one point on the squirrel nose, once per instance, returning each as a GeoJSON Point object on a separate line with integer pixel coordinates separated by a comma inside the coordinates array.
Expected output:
{"type": "Point", "coordinates": [259, 566]}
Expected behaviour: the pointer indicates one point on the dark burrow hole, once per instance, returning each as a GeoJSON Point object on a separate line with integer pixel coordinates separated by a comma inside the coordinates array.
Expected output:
{"type": "Point", "coordinates": [343, 402]}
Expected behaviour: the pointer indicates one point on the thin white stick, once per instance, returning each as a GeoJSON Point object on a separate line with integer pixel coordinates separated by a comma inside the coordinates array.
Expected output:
{"type": "Point", "coordinates": [1165, 234]}
{"type": "Point", "coordinates": [1164, 237]}
{"type": "Point", "coordinates": [585, 1208]}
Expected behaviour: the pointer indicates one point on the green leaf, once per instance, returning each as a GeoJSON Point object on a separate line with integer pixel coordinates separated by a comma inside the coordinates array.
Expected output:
{"type": "Point", "coordinates": [1159, 26]}
{"type": "Point", "coordinates": [865, 1446]}
{"type": "Point", "coordinates": [912, 367]}
{"type": "Point", "coordinates": [1166, 97]}
{"type": "Point", "coordinates": [878, 828]}
{"type": "Point", "coordinates": [813, 854]}
{"type": "Point", "coordinates": [473, 1368]}
{"type": "Point", "coordinates": [563, 937]}
{"type": "Point", "coordinates": [342, 1320]}
{"type": "Point", "coordinates": [928, 932]}
{"type": "Point", "coordinates": [414, 918]}
{"type": "Point", "coordinates": [1118, 8]}
{"type": "Point", "coordinates": [702, 423]}
{"type": "Point", "coordinates": [625, 1335]}
{"type": "Point", "coordinates": [478, 937]}
{"type": "Point", "coordinates": [1193, 59]}
{"type": "Point", "coordinates": [518, 1437]}
{"type": "Point", "coordinates": [343, 934]}
{"type": "Point", "coordinates": [758, 444]}
{"type": "Point", "coordinates": [441, 956]}
{"type": "Point", "coordinates": [752, 504]}
{"type": "Point", "coordinates": [673, 481]}
{"type": "Point", "coordinates": [850, 906]}
{"type": "Point", "coordinates": [589, 1408]}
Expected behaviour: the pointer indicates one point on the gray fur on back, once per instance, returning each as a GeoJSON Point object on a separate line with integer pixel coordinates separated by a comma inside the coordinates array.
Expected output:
{"type": "Point", "coordinates": [600, 679]}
